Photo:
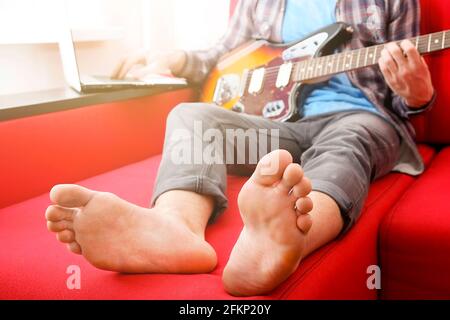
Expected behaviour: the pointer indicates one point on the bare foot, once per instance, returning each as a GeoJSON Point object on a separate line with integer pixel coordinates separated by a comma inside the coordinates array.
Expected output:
{"type": "Point", "coordinates": [115, 235]}
{"type": "Point", "coordinates": [275, 210]}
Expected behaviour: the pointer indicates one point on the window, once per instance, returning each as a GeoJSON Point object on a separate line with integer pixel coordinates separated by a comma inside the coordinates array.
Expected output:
{"type": "Point", "coordinates": [104, 31]}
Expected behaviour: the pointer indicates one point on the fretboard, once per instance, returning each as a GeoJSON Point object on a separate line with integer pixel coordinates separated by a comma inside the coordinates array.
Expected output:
{"type": "Point", "coordinates": [361, 58]}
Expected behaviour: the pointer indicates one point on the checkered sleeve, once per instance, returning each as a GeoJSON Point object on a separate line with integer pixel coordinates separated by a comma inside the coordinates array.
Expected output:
{"type": "Point", "coordinates": [404, 24]}
{"type": "Point", "coordinates": [199, 63]}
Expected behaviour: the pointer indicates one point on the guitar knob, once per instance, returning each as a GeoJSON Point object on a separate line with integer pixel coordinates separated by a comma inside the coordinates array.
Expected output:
{"type": "Point", "coordinates": [238, 108]}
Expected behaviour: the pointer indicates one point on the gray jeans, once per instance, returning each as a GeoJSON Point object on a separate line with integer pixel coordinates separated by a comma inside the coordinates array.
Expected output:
{"type": "Point", "coordinates": [341, 153]}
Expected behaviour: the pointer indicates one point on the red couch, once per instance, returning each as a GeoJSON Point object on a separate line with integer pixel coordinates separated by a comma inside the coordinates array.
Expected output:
{"type": "Point", "coordinates": [405, 226]}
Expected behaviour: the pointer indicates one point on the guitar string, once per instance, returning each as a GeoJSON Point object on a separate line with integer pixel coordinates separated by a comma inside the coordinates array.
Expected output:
{"type": "Point", "coordinates": [355, 53]}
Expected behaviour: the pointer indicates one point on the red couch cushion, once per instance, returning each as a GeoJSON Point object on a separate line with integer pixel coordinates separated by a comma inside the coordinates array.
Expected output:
{"type": "Point", "coordinates": [415, 238]}
{"type": "Point", "coordinates": [33, 265]}
{"type": "Point", "coordinates": [432, 127]}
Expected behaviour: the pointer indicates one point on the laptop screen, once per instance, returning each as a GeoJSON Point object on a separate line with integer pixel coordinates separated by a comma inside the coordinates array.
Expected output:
{"type": "Point", "coordinates": [68, 57]}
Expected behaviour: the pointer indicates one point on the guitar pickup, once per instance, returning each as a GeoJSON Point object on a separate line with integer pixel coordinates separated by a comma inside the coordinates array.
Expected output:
{"type": "Point", "coordinates": [257, 81]}
{"type": "Point", "coordinates": [284, 75]}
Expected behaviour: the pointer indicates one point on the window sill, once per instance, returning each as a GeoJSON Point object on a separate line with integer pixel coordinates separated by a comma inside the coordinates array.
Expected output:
{"type": "Point", "coordinates": [41, 102]}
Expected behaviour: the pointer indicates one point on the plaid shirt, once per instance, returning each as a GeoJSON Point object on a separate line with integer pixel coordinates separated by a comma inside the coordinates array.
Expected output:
{"type": "Point", "coordinates": [374, 22]}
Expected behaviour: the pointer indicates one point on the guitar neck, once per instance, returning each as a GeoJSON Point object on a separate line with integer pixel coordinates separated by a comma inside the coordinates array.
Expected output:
{"type": "Point", "coordinates": [356, 59]}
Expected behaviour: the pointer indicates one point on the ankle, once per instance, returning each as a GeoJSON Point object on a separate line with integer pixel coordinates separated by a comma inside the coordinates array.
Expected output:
{"type": "Point", "coordinates": [190, 209]}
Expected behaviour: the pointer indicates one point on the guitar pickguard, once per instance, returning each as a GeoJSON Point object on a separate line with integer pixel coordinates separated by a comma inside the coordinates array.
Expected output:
{"type": "Point", "coordinates": [306, 48]}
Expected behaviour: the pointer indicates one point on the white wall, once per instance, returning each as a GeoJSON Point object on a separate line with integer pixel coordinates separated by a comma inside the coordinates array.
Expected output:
{"type": "Point", "coordinates": [153, 24]}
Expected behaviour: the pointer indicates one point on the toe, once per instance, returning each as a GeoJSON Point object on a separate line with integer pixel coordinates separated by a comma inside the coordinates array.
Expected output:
{"type": "Point", "coordinates": [59, 226]}
{"type": "Point", "coordinates": [74, 247]}
{"type": "Point", "coordinates": [57, 213]}
{"type": "Point", "coordinates": [304, 205]}
{"type": "Point", "coordinates": [304, 223]}
{"type": "Point", "coordinates": [271, 167]}
{"type": "Point", "coordinates": [70, 196]}
{"type": "Point", "coordinates": [303, 188]}
{"type": "Point", "coordinates": [291, 176]}
{"type": "Point", "coordinates": [66, 236]}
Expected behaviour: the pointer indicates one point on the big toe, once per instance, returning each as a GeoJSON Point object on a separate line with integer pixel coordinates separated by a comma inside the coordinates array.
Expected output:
{"type": "Point", "coordinates": [70, 196]}
{"type": "Point", "coordinates": [271, 168]}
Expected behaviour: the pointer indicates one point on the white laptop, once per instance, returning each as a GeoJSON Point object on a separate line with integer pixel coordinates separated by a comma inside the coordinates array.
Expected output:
{"type": "Point", "coordinates": [92, 84]}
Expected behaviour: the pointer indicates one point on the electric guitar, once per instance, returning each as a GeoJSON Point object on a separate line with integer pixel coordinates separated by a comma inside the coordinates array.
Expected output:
{"type": "Point", "coordinates": [265, 79]}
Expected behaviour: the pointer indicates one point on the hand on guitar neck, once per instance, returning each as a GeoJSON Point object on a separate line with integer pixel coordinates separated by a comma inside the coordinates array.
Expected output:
{"type": "Point", "coordinates": [407, 73]}
{"type": "Point", "coordinates": [142, 64]}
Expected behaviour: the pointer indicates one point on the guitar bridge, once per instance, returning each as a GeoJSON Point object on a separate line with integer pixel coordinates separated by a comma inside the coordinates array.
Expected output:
{"type": "Point", "coordinates": [227, 89]}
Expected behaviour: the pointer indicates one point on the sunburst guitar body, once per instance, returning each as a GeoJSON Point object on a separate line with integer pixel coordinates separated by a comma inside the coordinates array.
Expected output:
{"type": "Point", "coordinates": [256, 77]}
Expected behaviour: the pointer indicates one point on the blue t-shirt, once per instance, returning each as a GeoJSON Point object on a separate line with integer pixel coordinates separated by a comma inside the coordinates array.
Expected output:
{"type": "Point", "coordinates": [303, 17]}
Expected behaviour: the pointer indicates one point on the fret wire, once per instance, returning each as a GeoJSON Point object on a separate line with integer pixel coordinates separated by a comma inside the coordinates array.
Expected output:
{"type": "Point", "coordinates": [361, 53]}
{"type": "Point", "coordinates": [443, 39]}
{"type": "Point", "coordinates": [345, 61]}
{"type": "Point", "coordinates": [359, 58]}
{"type": "Point", "coordinates": [351, 61]}
{"type": "Point", "coordinates": [308, 68]}
{"type": "Point", "coordinates": [325, 63]}
{"type": "Point", "coordinates": [370, 55]}
{"type": "Point", "coordinates": [324, 66]}
{"type": "Point", "coordinates": [375, 54]}
{"type": "Point", "coordinates": [367, 56]}
{"type": "Point", "coordinates": [295, 72]}
{"type": "Point", "coordinates": [320, 67]}
{"type": "Point", "coordinates": [299, 70]}
{"type": "Point", "coordinates": [429, 43]}
{"type": "Point", "coordinates": [338, 65]}
{"type": "Point", "coordinates": [328, 64]}
{"type": "Point", "coordinates": [314, 70]}
{"type": "Point", "coordinates": [342, 65]}
{"type": "Point", "coordinates": [331, 64]}
{"type": "Point", "coordinates": [304, 69]}
{"type": "Point", "coordinates": [355, 59]}
{"type": "Point", "coordinates": [338, 58]}
{"type": "Point", "coordinates": [316, 67]}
